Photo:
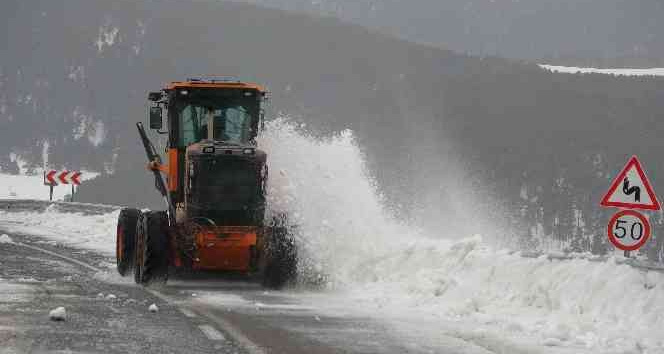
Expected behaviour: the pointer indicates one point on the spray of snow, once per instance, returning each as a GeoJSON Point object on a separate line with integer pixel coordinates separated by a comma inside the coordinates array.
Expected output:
{"type": "Point", "coordinates": [384, 267]}
{"type": "Point", "coordinates": [619, 72]}
{"type": "Point", "coordinates": [325, 189]}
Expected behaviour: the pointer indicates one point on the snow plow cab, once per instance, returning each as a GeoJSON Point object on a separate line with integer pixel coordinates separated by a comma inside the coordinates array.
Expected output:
{"type": "Point", "coordinates": [214, 185]}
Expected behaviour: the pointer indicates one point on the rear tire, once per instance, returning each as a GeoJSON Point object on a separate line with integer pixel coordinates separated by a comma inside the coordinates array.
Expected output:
{"type": "Point", "coordinates": [152, 248]}
{"type": "Point", "coordinates": [125, 240]}
{"type": "Point", "coordinates": [280, 258]}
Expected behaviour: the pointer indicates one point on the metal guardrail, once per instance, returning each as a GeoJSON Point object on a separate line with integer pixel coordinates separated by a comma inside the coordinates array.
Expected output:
{"type": "Point", "coordinates": [19, 205]}
{"type": "Point", "coordinates": [636, 263]}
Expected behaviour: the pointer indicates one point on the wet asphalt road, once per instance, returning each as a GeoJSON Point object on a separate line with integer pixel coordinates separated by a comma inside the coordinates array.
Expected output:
{"type": "Point", "coordinates": [33, 283]}
{"type": "Point", "coordinates": [202, 315]}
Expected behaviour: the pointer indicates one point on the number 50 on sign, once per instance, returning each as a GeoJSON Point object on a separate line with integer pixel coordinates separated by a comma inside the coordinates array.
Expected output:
{"type": "Point", "coordinates": [628, 230]}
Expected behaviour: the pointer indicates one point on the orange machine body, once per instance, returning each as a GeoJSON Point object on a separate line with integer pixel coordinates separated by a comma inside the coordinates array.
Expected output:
{"type": "Point", "coordinates": [224, 248]}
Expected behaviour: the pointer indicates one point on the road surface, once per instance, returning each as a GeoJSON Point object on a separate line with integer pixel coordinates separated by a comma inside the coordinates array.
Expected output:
{"type": "Point", "coordinates": [195, 315]}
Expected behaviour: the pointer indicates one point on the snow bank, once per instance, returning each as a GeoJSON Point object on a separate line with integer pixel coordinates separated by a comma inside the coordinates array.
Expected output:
{"type": "Point", "coordinates": [623, 72]}
{"type": "Point", "coordinates": [600, 305]}
{"type": "Point", "coordinates": [93, 232]}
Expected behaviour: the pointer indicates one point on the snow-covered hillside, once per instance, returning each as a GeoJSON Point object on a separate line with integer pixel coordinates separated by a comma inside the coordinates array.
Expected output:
{"type": "Point", "coordinates": [620, 72]}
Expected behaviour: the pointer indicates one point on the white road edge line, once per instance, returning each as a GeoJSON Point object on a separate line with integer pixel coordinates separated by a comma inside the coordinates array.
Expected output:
{"type": "Point", "coordinates": [211, 333]}
{"type": "Point", "coordinates": [240, 338]}
{"type": "Point", "coordinates": [237, 336]}
{"type": "Point", "coordinates": [75, 261]}
{"type": "Point", "coordinates": [187, 312]}
{"type": "Point", "coordinates": [234, 333]}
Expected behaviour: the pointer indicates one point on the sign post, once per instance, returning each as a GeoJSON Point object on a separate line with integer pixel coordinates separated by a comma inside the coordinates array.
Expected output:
{"type": "Point", "coordinates": [628, 229]}
{"type": "Point", "coordinates": [53, 178]}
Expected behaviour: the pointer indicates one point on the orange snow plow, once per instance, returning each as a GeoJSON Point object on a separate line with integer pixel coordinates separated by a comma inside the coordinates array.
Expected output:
{"type": "Point", "coordinates": [214, 185]}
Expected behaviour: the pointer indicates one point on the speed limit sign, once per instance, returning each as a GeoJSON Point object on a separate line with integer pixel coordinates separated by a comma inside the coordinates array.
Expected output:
{"type": "Point", "coordinates": [628, 230]}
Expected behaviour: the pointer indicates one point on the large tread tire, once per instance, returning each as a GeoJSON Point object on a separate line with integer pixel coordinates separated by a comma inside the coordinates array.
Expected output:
{"type": "Point", "coordinates": [280, 266]}
{"type": "Point", "coordinates": [125, 240]}
{"type": "Point", "coordinates": [152, 248]}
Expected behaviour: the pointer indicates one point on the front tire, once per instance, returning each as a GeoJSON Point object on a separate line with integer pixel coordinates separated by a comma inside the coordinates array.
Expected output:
{"type": "Point", "coordinates": [280, 257]}
{"type": "Point", "coordinates": [125, 240]}
{"type": "Point", "coordinates": [152, 248]}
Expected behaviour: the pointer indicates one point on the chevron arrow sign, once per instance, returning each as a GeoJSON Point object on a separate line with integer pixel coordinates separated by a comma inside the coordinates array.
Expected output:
{"type": "Point", "coordinates": [54, 177]}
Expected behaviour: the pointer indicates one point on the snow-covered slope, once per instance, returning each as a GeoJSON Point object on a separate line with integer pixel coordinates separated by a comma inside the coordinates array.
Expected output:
{"type": "Point", "coordinates": [622, 71]}
{"type": "Point", "coordinates": [377, 265]}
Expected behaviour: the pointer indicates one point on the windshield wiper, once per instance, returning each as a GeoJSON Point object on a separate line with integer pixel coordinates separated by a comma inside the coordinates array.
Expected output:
{"type": "Point", "coordinates": [223, 142]}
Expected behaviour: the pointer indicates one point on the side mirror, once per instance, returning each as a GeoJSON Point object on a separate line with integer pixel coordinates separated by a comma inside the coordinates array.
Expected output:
{"type": "Point", "coordinates": [155, 117]}
{"type": "Point", "coordinates": [154, 96]}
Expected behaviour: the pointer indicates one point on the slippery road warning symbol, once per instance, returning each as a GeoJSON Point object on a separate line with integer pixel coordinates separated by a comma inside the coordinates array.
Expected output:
{"type": "Point", "coordinates": [631, 189]}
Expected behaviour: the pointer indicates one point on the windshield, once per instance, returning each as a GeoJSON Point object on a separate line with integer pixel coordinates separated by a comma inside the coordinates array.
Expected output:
{"type": "Point", "coordinates": [232, 124]}
{"type": "Point", "coordinates": [235, 115]}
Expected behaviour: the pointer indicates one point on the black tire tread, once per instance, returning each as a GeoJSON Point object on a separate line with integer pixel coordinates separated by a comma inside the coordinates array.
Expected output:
{"type": "Point", "coordinates": [127, 220]}
{"type": "Point", "coordinates": [281, 258]}
{"type": "Point", "coordinates": [154, 234]}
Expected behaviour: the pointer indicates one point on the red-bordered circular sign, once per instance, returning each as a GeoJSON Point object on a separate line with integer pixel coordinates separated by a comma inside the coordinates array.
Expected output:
{"type": "Point", "coordinates": [628, 230]}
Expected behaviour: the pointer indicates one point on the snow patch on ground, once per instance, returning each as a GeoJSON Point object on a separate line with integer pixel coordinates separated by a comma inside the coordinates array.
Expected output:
{"type": "Point", "coordinates": [573, 303]}
{"type": "Point", "coordinates": [93, 232]}
{"type": "Point", "coordinates": [58, 314]}
{"type": "Point", "coordinates": [619, 72]}
{"type": "Point", "coordinates": [13, 292]}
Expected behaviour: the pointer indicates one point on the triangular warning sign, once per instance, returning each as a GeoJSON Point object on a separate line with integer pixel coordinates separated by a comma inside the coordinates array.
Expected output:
{"type": "Point", "coordinates": [631, 189]}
